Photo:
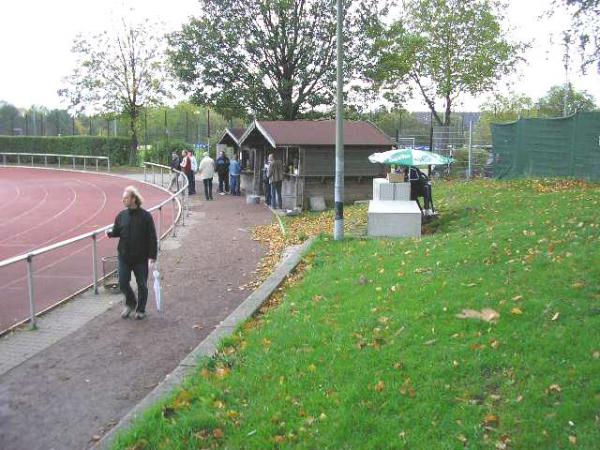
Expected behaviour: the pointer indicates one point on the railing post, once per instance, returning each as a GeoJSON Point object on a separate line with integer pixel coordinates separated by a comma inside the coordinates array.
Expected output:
{"type": "Point", "coordinates": [159, 226]}
{"type": "Point", "coordinates": [183, 208]}
{"type": "Point", "coordinates": [108, 163]}
{"type": "Point", "coordinates": [59, 161]}
{"type": "Point", "coordinates": [174, 207]}
{"type": "Point", "coordinates": [84, 161]}
{"type": "Point", "coordinates": [4, 159]}
{"type": "Point", "coordinates": [31, 160]}
{"type": "Point", "coordinates": [45, 160]}
{"type": "Point", "coordinates": [94, 262]}
{"type": "Point", "coordinates": [18, 159]}
{"type": "Point", "coordinates": [145, 178]}
{"type": "Point", "coordinates": [162, 180]}
{"type": "Point", "coordinates": [153, 175]}
{"type": "Point", "coordinates": [73, 163]}
{"type": "Point", "coordinates": [30, 288]}
{"type": "Point", "coordinates": [96, 164]}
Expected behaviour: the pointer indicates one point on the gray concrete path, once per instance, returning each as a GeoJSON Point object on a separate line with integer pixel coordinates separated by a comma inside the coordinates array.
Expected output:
{"type": "Point", "coordinates": [68, 394]}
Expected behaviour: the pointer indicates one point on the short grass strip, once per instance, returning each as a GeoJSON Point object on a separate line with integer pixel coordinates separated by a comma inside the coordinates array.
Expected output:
{"type": "Point", "coordinates": [363, 349]}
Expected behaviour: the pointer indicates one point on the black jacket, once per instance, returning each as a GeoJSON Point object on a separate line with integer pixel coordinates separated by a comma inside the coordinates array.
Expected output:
{"type": "Point", "coordinates": [137, 235]}
{"type": "Point", "coordinates": [222, 164]}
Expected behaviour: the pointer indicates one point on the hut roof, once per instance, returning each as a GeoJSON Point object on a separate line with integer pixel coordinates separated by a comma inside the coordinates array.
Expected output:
{"type": "Point", "coordinates": [318, 133]}
{"type": "Point", "coordinates": [234, 133]}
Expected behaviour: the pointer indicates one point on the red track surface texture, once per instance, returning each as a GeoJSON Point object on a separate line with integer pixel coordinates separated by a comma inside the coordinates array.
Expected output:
{"type": "Point", "coordinates": [41, 207]}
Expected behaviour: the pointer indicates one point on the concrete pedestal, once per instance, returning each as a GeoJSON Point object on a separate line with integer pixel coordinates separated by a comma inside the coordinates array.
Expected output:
{"type": "Point", "coordinates": [384, 190]}
{"type": "Point", "coordinates": [394, 219]}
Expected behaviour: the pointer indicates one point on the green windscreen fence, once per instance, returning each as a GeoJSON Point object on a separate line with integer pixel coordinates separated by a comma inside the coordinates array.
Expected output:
{"type": "Point", "coordinates": [567, 146]}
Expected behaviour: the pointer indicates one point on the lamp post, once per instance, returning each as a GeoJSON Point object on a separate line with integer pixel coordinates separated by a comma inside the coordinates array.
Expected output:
{"type": "Point", "coordinates": [338, 232]}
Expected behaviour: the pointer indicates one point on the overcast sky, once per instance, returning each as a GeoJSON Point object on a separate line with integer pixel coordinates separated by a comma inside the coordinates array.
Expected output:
{"type": "Point", "coordinates": [36, 38]}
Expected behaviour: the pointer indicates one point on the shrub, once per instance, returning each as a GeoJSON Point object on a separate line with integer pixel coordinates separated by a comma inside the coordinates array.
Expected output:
{"type": "Point", "coordinates": [116, 148]}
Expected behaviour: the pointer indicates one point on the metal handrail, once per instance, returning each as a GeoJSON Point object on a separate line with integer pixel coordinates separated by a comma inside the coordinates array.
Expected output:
{"type": "Point", "coordinates": [57, 156]}
{"type": "Point", "coordinates": [180, 198]}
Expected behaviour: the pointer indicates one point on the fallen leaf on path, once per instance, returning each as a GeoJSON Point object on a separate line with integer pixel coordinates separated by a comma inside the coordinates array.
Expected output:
{"type": "Point", "coordinates": [486, 314]}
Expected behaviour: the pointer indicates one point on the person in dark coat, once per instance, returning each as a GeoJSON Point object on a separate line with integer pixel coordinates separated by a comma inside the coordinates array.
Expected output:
{"type": "Point", "coordinates": [175, 169]}
{"type": "Point", "coordinates": [138, 247]}
{"type": "Point", "coordinates": [222, 164]}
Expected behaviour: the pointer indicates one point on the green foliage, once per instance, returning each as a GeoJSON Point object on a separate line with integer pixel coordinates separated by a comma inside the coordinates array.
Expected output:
{"type": "Point", "coordinates": [272, 58]}
{"type": "Point", "coordinates": [160, 151]}
{"type": "Point", "coordinates": [442, 49]}
{"type": "Point", "coordinates": [552, 104]}
{"type": "Point", "coordinates": [117, 149]}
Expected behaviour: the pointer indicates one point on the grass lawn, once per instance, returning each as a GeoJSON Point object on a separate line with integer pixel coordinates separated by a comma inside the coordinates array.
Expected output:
{"type": "Point", "coordinates": [363, 348]}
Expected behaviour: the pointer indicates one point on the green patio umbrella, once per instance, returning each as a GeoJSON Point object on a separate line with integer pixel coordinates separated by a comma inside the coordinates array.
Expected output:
{"type": "Point", "coordinates": [409, 157]}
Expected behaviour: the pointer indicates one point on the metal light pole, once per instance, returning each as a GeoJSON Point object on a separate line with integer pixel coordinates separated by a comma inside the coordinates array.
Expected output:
{"type": "Point", "coordinates": [338, 232]}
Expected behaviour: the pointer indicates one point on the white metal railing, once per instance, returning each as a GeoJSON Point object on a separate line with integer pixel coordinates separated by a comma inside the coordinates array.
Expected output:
{"type": "Point", "coordinates": [62, 161]}
{"type": "Point", "coordinates": [179, 201]}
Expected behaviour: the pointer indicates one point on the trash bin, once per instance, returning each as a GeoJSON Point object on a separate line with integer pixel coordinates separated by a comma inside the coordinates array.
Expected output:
{"type": "Point", "coordinates": [110, 274]}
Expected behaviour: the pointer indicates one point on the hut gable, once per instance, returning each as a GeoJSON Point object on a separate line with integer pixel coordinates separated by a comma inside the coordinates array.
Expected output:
{"type": "Point", "coordinates": [232, 135]}
{"type": "Point", "coordinates": [305, 133]}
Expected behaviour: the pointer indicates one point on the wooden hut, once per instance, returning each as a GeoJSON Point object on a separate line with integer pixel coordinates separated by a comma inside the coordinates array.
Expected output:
{"type": "Point", "coordinates": [307, 150]}
{"type": "Point", "coordinates": [231, 138]}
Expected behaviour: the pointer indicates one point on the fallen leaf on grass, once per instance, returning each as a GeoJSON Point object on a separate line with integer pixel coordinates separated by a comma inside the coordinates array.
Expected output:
{"type": "Point", "coordinates": [486, 314]}
{"type": "Point", "coordinates": [516, 311]}
{"type": "Point", "coordinates": [380, 386]}
{"type": "Point", "coordinates": [218, 433]}
{"type": "Point", "coordinates": [491, 421]}
{"type": "Point", "coordinates": [555, 317]}
{"type": "Point", "coordinates": [553, 388]}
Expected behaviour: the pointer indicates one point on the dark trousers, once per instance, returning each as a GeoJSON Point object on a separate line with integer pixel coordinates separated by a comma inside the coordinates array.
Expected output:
{"type": "Point", "coordinates": [207, 188]}
{"type": "Point", "coordinates": [235, 184]}
{"type": "Point", "coordinates": [191, 183]}
{"type": "Point", "coordinates": [276, 194]}
{"type": "Point", "coordinates": [267, 192]}
{"type": "Point", "coordinates": [223, 181]}
{"type": "Point", "coordinates": [140, 270]}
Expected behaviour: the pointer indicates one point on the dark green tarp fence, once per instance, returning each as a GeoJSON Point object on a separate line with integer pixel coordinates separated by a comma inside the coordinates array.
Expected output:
{"type": "Point", "coordinates": [567, 146]}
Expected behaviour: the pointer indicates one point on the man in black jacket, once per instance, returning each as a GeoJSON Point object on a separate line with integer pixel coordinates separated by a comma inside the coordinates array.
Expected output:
{"type": "Point", "coordinates": [137, 247]}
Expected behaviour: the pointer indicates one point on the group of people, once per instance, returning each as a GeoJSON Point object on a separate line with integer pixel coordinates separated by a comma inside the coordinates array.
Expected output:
{"type": "Point", "coordinates": [273, 179]}
{"type": "Point", "coordinates": [227, 170]}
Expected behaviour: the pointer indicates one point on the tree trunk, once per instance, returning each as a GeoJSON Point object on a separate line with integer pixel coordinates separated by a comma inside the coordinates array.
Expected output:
{"type": "Point", "coordinates": [133, 119]}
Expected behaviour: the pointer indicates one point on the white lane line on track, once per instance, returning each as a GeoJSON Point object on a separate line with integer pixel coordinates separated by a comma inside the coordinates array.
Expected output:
{"type": "Point", "coordinates": [6, 205]}
{"type": "Point", "coordinates": [81, 224]}
{"type": "Point", "coordinates": [50, 219]}
{"type": "Point", "coordinates": [42, 201]}
{"type": "Point", "coordinates": [69, 255]}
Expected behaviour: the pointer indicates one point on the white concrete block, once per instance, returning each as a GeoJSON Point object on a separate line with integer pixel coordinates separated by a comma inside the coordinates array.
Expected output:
{"type": "Point", "coordinates": [384, 190]}
{"type": "Point", "coordinates": [317, 204]}
{"type": "Point", "coordinates": [394, 219]}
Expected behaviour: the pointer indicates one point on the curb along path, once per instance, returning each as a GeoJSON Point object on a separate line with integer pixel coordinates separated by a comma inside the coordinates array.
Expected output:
{"type": "Point", "coordinates": [68, 395]}
{"type": "Point", "coordinates": [208, 346]}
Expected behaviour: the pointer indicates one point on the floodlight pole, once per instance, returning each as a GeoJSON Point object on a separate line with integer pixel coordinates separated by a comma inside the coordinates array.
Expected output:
{"type": "Point", "coordinates": [338, 233]}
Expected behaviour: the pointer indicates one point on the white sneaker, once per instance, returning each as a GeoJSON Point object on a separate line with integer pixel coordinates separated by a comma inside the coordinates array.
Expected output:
{"type": "Point", "coordinates": [126, 312]}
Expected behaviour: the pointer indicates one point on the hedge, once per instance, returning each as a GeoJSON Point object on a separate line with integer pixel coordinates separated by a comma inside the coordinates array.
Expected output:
{"type": "Point", "coordinates": [116, 148]}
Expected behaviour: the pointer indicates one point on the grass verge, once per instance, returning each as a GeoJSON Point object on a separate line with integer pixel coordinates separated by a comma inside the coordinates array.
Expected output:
{"type": "Point", "coordinates": [363, 347]}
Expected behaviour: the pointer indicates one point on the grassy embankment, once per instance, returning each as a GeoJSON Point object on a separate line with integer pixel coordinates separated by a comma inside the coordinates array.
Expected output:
{"type": "Point", "coordinates": [363, 347]}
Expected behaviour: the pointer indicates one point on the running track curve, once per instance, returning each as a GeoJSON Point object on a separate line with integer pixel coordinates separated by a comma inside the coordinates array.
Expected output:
{"type": "Point", "coordinates": [39, 207]}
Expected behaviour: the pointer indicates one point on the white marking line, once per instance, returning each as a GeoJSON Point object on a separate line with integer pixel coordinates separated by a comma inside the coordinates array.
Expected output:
{"type": "Point", "coordinates": [16, 187]}
{"type": "Point", "coordinates": [50, 219]}
{"type": "Point", "coordinates": [42, 201]}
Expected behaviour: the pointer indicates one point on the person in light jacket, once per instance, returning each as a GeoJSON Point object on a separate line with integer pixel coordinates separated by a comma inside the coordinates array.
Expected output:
{"type": "Point", "coordinates": [275, 175]}
{"type": "Point", "coordinates": [206, 170]}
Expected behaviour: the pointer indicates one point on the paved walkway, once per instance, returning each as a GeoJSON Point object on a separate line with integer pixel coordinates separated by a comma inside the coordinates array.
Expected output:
{"type": "Point", "coordinates": [64, 385]}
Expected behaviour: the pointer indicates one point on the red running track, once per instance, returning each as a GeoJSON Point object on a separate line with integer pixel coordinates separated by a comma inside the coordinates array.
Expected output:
{"type": "Point", "coordinates": [40, 207]}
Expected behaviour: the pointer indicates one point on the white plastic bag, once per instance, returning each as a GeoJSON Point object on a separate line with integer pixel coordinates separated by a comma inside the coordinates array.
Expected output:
{"type": "Point", "coordinates": [157, 291]}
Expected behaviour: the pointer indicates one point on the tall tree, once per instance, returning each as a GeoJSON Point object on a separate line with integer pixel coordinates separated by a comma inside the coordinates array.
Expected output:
{"type": "Point", "coordinates": [119, 72]}
{"type": "Point", "coordinates": [586, 20]}
{"type": "Point", "coordinates": [552, 104]}
{"type": "Point", "coordinates": [443, 49]}
{"type": "Point", "coordinates": [271, 58]}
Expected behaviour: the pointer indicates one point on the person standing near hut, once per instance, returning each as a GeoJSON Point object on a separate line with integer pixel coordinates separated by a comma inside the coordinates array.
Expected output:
{"type": "Point", "coordinates": [222, 164]}
{"type": "Point", "coordinates": [234, 175]}
{"type": "Point", "coordinates": [186, 168]}
{"type": "Point", "coordinates": [275, 175]}
{"type": "Point", "coordinates": [194, 169]}
{"type": "Point", "coordinates": [206, 171]}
